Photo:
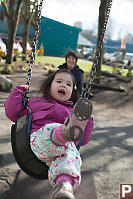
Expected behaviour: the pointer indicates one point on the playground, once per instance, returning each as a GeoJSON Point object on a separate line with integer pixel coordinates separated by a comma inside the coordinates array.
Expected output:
{"type": "Point", "coordinates": [107, 158]}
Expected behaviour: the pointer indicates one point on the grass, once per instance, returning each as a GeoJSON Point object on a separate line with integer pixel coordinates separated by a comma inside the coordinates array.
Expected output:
{"type": "Point", "coordinates": [86, 67]}
{"type": "Point", "coordinates": [55, 61]}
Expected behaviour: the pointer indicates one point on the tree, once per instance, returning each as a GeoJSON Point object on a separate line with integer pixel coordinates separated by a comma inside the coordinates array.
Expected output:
{"type": "Point", "coordinates": [12, 10]}
{"type": "Point", "coordinates": [27, 16]}
{"type": "Point", "coordinates": [88, 34]}
{"type": "Point", "coordinates": [78, 24]}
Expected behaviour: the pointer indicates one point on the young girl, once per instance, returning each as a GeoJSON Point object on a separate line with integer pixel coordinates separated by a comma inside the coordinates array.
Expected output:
{"type": "Point", "coordinates": [56, 128]}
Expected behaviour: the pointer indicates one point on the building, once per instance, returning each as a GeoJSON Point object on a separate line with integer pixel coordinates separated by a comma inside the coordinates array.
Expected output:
{"type": "Point", "coordinates": [57, 38]}
{"type": "Point", "coordinates": [111, 46]}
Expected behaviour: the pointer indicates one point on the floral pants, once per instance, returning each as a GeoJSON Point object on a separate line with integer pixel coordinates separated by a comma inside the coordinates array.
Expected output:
{"type": "Point", "coordinates": [64, 159]}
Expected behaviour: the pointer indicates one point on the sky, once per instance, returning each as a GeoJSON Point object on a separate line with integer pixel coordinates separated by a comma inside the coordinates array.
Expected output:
{"type": "Point", "coordinates": [87, 11]}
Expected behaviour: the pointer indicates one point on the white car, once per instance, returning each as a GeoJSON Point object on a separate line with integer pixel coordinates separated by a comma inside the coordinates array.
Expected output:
{"type": "Point", "coordinates": [128, 56]}
{"type": "Point", "coordinates": [17, 46]}
{"type": "Point", "coordinates": [3, 50]}
{"type": "Point", "coordinates": [28, 47]}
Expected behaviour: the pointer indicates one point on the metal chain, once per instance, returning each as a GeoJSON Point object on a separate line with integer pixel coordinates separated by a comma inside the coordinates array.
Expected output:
{"type": "Point", "coordinates": [34, 43]}
{"type": "Point", "coordinates": [86, 91]}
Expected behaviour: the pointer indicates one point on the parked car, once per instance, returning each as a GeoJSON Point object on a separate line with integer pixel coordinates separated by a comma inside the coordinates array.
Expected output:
{"type": "Point", "coordinates": [28, 47]}
{"type": "Point", "coordinates": [111, 58]}
{"type": "Point", "coordinates": [85, 53]}
{"type": "Point", "coordinates": [3, 50]}
{"type": "Point", "coordinates": [127, 58]}
{"type": "Point", "coordinates": [17, 48]}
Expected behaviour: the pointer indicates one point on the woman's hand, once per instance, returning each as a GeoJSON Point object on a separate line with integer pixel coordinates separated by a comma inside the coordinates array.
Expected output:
{"type": "Point", "coordinates": [26, 87]}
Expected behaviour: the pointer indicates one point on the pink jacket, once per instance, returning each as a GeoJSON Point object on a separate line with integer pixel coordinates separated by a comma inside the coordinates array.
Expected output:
{"type": "Point", "coordinates": [43, 111]}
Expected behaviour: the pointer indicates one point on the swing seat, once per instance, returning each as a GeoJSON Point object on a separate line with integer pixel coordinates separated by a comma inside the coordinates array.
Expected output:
{"type": "Point", "coordinates": [25, 158]}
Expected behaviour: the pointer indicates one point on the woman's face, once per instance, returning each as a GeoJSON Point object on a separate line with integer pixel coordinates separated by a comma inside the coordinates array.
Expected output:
{"type": "Point", "coordinates": [62, 87]}
{"type": "Point", "coordinates": [71, 62]}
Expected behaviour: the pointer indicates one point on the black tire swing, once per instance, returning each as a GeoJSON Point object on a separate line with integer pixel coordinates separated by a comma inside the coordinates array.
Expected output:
{"type": "Point", "coordinates": [20, 131]}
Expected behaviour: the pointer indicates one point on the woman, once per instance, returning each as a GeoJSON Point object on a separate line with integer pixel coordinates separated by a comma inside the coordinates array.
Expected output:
{"type": "Point", "coordinates": [70, 64]}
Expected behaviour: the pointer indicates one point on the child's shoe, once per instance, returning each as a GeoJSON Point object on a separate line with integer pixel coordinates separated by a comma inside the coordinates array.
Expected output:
{"type": "Point", "coordinates": [75, 124]}
{"type": "Point", "coordinates": [62, 190]}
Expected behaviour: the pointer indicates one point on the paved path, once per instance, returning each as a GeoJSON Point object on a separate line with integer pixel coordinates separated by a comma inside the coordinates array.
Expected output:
{"type": "Point", "coordinates": [29, 188]}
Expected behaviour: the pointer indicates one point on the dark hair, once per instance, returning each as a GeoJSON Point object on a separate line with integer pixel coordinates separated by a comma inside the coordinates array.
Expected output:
{"type": "Point", "coordinates": [73, 54]}
{"type": "Point", "coordinates": [46, 85]}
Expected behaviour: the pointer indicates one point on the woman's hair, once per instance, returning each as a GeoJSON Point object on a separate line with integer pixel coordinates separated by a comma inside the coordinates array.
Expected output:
{"type": "Point", "coordinates": [73, 54]}
{"type": "Point", "coordinates": [46, 85]}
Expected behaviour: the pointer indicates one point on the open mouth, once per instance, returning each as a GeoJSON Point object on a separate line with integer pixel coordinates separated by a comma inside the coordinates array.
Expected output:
{"type": "Point", "coordinates": [61, 92]}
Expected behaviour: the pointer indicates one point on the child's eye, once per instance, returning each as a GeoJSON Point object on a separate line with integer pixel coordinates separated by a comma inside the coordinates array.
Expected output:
{"type": "Point", "coordinates": [69, 84]}
{"type": "Point", "coordinates": [58, 81]}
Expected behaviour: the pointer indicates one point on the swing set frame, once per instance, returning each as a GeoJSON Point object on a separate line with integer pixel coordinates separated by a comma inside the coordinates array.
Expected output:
{"type": "Point", "coordinates": [20, 131]}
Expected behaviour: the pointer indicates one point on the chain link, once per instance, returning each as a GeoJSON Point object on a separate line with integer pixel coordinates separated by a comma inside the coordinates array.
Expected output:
{"type": "Point", "coordinates": [34, 43]}
{"type": "Point", "coordinates": [86, 91]}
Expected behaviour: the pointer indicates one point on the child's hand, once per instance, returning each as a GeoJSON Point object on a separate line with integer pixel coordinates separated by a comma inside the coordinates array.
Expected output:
{"type": "Point", "coordinates": [26, 87]}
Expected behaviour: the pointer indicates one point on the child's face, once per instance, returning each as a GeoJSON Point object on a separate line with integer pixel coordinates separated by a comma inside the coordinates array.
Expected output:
{"type": "Point", "coordinates": [62, 87]}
